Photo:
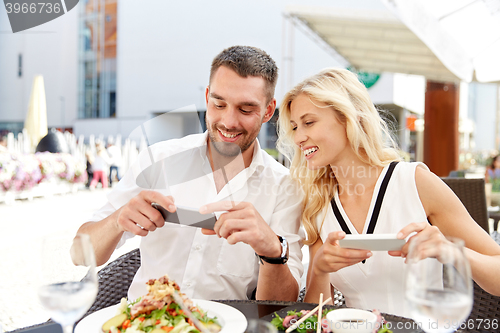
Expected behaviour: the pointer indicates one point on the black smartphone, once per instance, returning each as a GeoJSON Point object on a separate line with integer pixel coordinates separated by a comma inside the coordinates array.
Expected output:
{"type": "Point", "coordinates": [187, 216]}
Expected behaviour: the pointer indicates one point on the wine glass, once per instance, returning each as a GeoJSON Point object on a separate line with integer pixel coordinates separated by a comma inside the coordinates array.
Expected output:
{"type": "Point", "coordinates": [68, 283]}
{"type": "Point", "coordinates": [438, 288]}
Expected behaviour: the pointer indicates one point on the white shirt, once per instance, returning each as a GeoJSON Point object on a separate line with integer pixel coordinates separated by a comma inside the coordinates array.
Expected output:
{"type": "Point", "coordinates": [379, 283]}
{"type": "Point", "coordinates": [101, 162]}
{"type": "Point", "coordinates": [115, 156]}
{"type": "Point", "coordinates": [207, 267]}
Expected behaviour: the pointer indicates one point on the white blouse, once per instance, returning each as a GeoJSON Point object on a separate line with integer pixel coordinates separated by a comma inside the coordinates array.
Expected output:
{"type": "Point", "coordinates": [379, 283]}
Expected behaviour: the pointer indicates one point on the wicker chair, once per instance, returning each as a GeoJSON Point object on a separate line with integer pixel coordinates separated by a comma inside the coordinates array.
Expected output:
{"type": "Point", "coordinates": [486, 308]}
{"type": "Point", "coordinates": [473, 196]}
{"type": "Point", "coordinates": [115, 279]}
{"type": "Point", "coordinates": [338, 298]}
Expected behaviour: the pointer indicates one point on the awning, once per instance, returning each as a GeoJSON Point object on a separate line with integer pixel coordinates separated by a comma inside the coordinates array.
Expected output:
{"type": "Point", "coordinates": [463, 34]}
{"type": "Point", "coordinates": [373, 41]}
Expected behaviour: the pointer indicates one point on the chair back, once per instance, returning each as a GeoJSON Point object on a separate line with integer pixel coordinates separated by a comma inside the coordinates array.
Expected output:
{"type": "Point", "coordinates": [115, 279]}
{"type": "Point", "coordinates": [486, 309]}
{"type": "Point", "coordinates": [473, 196]}
{"type": "Point", "coordinates": [472, 193]}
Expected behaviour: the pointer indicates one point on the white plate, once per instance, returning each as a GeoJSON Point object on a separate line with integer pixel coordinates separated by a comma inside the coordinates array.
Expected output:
{"type": "Point", "coordinates": [231, 319]}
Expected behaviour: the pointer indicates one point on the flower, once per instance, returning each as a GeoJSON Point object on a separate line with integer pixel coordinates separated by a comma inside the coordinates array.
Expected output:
{"type": "Point", "coordinates": [18, 172]}
{"type": "Point", "coordinates": [21, 172]}
{"type": "Point", "coordinates": [46, 164]}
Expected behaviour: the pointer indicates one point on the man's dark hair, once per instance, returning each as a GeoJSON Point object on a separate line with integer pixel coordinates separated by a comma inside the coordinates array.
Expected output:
{"type": "Point", "coordinates": [248, 61]}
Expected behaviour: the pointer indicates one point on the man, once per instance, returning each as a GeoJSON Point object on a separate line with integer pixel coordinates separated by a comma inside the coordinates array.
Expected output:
{"type": "Point", "coordinates": [223, 170]}
{"type": "Point", "coordinates": [115, 157]}
{"type": "Point", "coordinates": [3, 143]}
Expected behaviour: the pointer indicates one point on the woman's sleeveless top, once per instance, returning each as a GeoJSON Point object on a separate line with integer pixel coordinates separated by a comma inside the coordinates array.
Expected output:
{"type": "Point", "coordinates": [379, 282]}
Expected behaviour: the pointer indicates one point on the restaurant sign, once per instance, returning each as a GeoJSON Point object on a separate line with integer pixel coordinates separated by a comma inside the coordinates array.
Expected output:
{"type": "Point", "coordinates": [367, 78]}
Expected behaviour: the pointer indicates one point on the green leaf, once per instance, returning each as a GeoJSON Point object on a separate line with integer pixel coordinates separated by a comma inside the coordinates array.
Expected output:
{"type": "Point", "coordinates": [277, 321]}
{"type": "Point", "coordinates": [384, 329]}
{"type": "Point", "coordinates": [148, 329]}
{"type": "Point", "coordinates": [174, 306]}
{"type": "Point", "coordinates": [178, 319]}
{"type": "Point", "coordinates": [158, 313]}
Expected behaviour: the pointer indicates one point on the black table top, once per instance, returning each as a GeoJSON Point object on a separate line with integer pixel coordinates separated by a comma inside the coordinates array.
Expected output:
{"type": "Point", "coordinates": [263, 310]}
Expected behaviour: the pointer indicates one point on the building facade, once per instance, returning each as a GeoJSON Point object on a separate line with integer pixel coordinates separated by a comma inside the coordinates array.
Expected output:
{"type": "Point", "coordinates": [111, 66]}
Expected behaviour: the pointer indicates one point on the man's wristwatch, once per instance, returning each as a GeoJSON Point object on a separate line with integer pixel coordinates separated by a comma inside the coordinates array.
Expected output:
{"type": "Point", "coordinates": [277, 260]}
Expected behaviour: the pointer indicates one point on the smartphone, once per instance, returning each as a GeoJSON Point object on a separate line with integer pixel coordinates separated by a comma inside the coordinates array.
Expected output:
{"type": "Point", "coordinates": [373, 242]}
{"type": "Point", "coordinates": [187, 216]}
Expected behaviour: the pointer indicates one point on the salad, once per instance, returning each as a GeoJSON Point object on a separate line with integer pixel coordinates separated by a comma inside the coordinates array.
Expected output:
{"type": "Point", "coordinates": [310, 324]}
{"type": "Point", "coordinates": [158, 312]}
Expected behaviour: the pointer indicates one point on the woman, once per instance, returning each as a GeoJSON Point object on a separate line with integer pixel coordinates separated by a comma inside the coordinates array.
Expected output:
{"type": "Point", "coordinates": [341, 150]}
{"type": "Point", "coordinates": [493, 170]}
{"type": "Point", "coordinates": [100, 165]}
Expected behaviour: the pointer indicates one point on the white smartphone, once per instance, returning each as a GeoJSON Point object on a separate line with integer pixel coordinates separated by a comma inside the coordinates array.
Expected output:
{"type": "Point", "coordinates": [187, 216]}
{"type": "Point", "coordinates": [373, 242]}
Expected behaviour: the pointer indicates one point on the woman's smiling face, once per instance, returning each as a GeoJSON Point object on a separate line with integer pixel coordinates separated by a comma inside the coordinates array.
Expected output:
{"type": "Point", "coordinates": [318, 132]}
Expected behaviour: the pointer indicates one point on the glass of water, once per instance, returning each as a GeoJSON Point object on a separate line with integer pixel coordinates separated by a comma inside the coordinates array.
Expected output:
{"type": "Point", "coordinates": [439, 289]}
{"type": "Point", "coordinates": [68, 283]}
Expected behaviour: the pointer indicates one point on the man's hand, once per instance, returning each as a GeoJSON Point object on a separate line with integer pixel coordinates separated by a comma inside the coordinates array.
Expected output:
{"type": "Point", "coordinates": [243, 223]}
{"type": "Point", "coordinates": [139, 217]}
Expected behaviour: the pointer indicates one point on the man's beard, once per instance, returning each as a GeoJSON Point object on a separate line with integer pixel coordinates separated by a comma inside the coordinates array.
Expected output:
{"type": "Point", "coordinates": [227, 149]}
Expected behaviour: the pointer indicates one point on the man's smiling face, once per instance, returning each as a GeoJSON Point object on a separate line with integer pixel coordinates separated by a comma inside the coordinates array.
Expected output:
{"type": "Point", "coordinates": [236, 108]}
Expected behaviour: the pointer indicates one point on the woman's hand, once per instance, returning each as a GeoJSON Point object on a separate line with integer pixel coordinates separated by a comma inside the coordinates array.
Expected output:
{"type": "Point", "coordinates": [330, 257]}
{"type": "Point", "coordinates": [428, 240]}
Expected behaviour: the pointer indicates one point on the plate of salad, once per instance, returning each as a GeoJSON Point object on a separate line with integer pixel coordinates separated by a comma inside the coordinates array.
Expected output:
{"type": "Point", "coordinates": [158, 312]}
{"type": "Point", "coordinates": [285, 317]}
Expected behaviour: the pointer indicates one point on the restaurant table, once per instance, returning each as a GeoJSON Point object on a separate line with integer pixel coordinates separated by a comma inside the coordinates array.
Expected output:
{"type": "Point", "coordinates": [263, 310]}
{"type": "Point", "coordinates": [48, 327]}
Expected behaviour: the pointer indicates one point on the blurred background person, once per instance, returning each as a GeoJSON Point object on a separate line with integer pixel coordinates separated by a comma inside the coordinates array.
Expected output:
{"type": "Point", "coordinates": [492, 180]}
{"type": "Point", "coordinates": [90, 173]}
{"type": "Point", "coordinates": [3, 143]}
{"type": "Point", "coordinates": [100, 167]}
{"type": "Point", "coordinates": [115, 161]}
{"type": "Point", "coordinates": [493, 170]}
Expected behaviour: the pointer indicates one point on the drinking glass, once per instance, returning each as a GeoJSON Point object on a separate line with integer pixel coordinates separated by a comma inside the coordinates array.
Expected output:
{"type": "Point", "coordinates": [438, 288]}
{"type": "Point", "coordinates": [68, 283]}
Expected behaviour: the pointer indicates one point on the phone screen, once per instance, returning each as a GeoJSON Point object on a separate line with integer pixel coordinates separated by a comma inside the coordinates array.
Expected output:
{"type": "Point", "coordinates": [187, 216]}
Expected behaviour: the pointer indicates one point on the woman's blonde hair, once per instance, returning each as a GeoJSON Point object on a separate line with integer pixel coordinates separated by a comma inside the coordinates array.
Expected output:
{"type": "Point", "coordinates": [340, 91]}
